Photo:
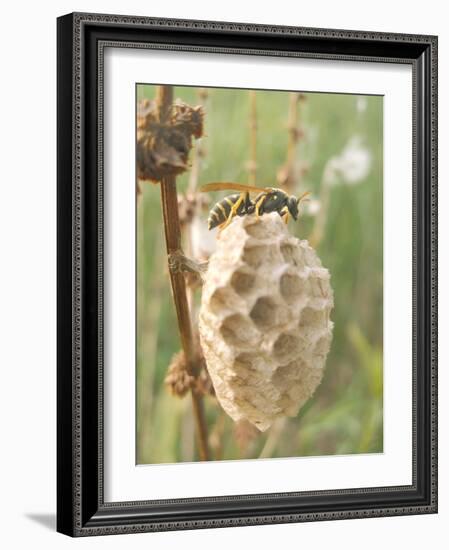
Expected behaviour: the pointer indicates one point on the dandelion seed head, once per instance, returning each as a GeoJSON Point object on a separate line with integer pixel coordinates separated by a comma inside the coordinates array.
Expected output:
{"type": "Point", "coordinates": [352, 165]}
{"type": "Point", "coordinates": [361, 104]}
{"type": "Point", "coordinates": [203, 240]}
{"type": "Point", "coordinates": [312, 207]}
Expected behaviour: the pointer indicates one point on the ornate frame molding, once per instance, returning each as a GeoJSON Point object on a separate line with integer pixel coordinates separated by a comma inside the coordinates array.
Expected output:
{"type": "Point", "coordinates": [81, 509]}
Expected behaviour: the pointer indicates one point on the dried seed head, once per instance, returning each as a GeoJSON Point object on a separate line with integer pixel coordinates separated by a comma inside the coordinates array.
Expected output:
{"type": "Point", "coordinates": [203, 241]}
{"type": "Point", "coordinates": [296, 133]}
{"type": "Point", "coordinates": [204, 383]}
{"type": "Point", "coordinates": [178, 380]}
{"type": "Point", "coordinates": [189, 204]}
{"type": "Point", "coordinates": [146, 114]}
{"type": "Point", "coordinates": [187, 208]}
{"type": "Point", "coordinates": [264, 320]}
{"type": "Point", "coordinates": [286, 176]}
{"type": "Point", "coordinates": [289, 175]}
{"type": "Point", "coordinates": [163, 148]}
{"type": "Point", "coordinates": [187, 119]}
{"type": "Point", "coordinates": [203, 94]}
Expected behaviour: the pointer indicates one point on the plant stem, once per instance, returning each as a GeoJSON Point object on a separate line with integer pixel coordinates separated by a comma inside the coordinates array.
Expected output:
{"type": "Point", "coordinates": [288, 174]}
{"type": "Point", "coordinates": [273, 438]}
{"type": "Point", "coordinates": [292, 128]}
{"type": "Point", "coordinates": [252, 165]}
{"type": "Point", "coordinates": [193, 194]}
{"type": "Point", "coordinates": [198, 151]}
{"type": "Point", "coordinates": [319, 226]}
{"type": "Point", "coordinates": [169, 197]}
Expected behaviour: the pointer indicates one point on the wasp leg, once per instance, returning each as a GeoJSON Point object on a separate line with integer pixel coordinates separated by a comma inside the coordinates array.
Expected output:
{"type": "Point", "coordinates": [285, 215]}
{"type": "Point", "coordinates": [259, 204]}
{"type": "Point", "coordinates": [233, 211]}
{"type": "Point", "coordinates": [249, 205]}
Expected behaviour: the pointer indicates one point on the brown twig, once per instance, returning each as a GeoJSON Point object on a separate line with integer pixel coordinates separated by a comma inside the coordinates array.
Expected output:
{"type": "Point", "coordinates": [192, 194]}
{"type": "Point", "coordinates": [198, 151]}
{"type": "Point", "coordinates": [252, 164]}
{"type": "Point", "coordinates": [319, 225]}
{"type": "Point", "coordinates": [293, 130]}
{"type": "Point", "coordinates": [288, 174]}
{"type": "Point", "coordinates": [169, 196]}
{"type": "Point", "coordinates": [273, 437]}
{"type": "Point", "coordinates": [216, 436]}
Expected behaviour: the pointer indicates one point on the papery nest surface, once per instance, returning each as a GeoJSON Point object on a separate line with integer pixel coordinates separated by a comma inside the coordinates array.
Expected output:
{"type": "Point", "coordinates": [264, 322]}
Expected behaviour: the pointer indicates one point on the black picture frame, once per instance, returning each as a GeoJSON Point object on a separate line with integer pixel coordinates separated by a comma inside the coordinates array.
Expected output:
{"type": "Point", "coordinates": [81, 509]}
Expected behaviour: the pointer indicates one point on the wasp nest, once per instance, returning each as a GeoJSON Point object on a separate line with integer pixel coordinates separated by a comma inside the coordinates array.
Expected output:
{"type": "Point", "coordinates": [264, 320]}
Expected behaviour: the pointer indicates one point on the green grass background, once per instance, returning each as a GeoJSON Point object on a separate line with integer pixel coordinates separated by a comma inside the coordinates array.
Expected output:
{"type": "Point", "coordinates": [345, 415]}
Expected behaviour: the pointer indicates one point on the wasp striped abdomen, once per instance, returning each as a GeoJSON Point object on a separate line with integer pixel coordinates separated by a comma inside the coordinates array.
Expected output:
{"type": "Point", "coordinates": [221, 211]}
{"type": "Point", "coordinates": [268, 199]}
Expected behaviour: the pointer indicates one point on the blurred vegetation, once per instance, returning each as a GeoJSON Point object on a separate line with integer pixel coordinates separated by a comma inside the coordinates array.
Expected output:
{"type": "Point", "coordinates": [346, 414]}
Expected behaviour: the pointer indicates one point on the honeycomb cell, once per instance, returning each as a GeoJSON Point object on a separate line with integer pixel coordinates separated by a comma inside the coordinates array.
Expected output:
{"type": "Point", "coordinates": [291, 253]}
{"type": "Point", "coordinates": [312, 318]}
{"type": "Point", "coordinates": [255, 255]}
{"type": "Point", "coordinates": [266, 313]}
{"type": "Point", "coordinates": [243, 282]}
{"type": "Point", "coordinates": [238, 331]}
{"type": "Point", "coordinates": [286, 346]}
{"type": "Point", "coordinates": [292, 287]}
{"type": "Point", "coordinates": [219, 300]}
{"type": "Point", "coordinates": [256, 230]}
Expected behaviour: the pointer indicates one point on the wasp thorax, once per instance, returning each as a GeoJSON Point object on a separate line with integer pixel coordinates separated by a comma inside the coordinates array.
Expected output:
{"type": "Point", "coordinates": [264, 320]}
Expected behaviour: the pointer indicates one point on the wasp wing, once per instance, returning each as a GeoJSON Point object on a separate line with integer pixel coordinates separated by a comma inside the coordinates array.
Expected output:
{"type": "Point", "coordinates": [229, 185]}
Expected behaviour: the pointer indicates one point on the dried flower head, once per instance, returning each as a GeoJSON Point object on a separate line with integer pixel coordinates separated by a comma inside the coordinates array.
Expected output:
{"type": "Point", "coordinates": [361, 104]}
{"type": "Point", "coordinates": [187, 119]}
{"type": "Point", "coordinates": [189, 204]}
{"type": "Point", "coordinates": [286, 176]}
{"type": "Point", "coordinates": [203, 94]}
{"type": "Point", "coordinates": [203, 241]}
{"type": "Point", "coordinates": [296, 133]}
{"type": "Point", "coordinates": [351, 166]}
{"type": "Point", "coordinates": [163, 148]}
{"type": "Point", "coordinates": [180, 382]}
{"type": "Point", "coordinates": [312, 207]}
{"type": "Point", "coordinates": [290, 174]}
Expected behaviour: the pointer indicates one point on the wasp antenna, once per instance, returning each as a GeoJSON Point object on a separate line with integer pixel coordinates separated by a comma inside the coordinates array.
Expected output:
{"type": "Point", "coordinates": [229, 185]}
{"type": "Point", "coordinates": [303, 197]}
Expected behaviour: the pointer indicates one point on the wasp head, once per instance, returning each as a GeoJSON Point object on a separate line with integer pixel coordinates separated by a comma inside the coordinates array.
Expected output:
{"type": "Point", "coordinates": [292, 206]}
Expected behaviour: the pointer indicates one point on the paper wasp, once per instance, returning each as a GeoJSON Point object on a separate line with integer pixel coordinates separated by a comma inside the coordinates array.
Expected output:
{"type": "Point", "coordinates": [268, 199]}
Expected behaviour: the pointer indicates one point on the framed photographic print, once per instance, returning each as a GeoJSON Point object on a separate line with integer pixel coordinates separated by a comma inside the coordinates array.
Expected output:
{"type": "Point", "coordinates": [247, 252]}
